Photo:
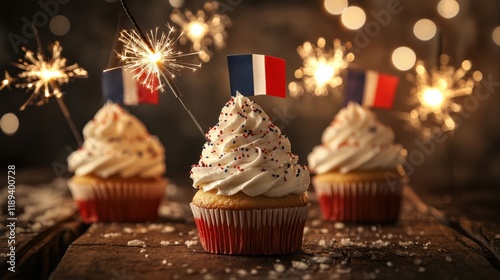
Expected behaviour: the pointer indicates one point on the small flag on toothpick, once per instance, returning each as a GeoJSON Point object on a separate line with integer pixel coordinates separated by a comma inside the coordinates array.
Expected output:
{"type": "Point", "coordinates": [370, 88]}
{"type": "Point", "coordinates": [120, 86]}
{"type": "Point", "coordinates": [257, 74]}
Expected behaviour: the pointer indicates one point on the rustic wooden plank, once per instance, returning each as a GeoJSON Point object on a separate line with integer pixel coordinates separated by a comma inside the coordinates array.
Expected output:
{"type": "Point", "coordinates": [418, 246]}
{"type": "Point", "coordinates": [47, 223]}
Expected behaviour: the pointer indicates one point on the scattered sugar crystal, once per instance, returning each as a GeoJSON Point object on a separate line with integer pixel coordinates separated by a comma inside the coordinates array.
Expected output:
{"type": "Point", "coordinates": [169, 264]}
{"type": "Point", "coordinates": [189, 271]}
{"type": "Point", "coordinates": [344, 270]}
{"type": "Point", "coordinates": [181, 233]}
{"type": "Point", "coordinates": [280, 268]}
{"type": "Point", "coordinates": [143, 250]}
{"type": "Point", "coordinates": [324, 266]}
{"type": "Point", "coordinates": [164, 262]}
{"type": "Point", "coordinates": [185, 265]}
{"type": "Point", "coordinates": [389, 264]}
{"type": "Point", "coordinates": [318, 259]}
{"type": "Point", "coordinates": [136, 242]}
{"type": "Point", "coordinates": [324, 230]}
{"type": "Point", "coordinates": [146, 255]}
{"type": "Point", "coordinates": [127, 230]}
{"type": "Point", "coordinates": [168, 229]}
{"type": "Point", "coordinates": [203, 271]}
{"type": "Point", "coordinates": [497, 236]}
{"type": "Point", "coordinates": [322, 242]}
{"type": "Point", "coordinates": [164, 243]}
{"type": "Point", "coordinates": [373, 228]}
{"type": "Point", "coordinates": [112, 234]}
{"type": "Point", "coordinates": [253, 271]}
{"type": "Point", "coordinates": [448, 259]}
{"type": "Point", "coordinates": [190, 243]}
{"type": "Point", "coordinates": [346, 241]}
{"type": "Point", "coordinates": [242, 272]}
{"type": "Point", "coordinates": [360, 229]}
{"type": "Point", "coordinates": [299, 265]}
{"type": "Point", "coordinates": [227, 270]}
{"type": "Point", "coordinates": [306, 276]}
{"type": "Point", "coordinates": [379, 244]}
{"type": "Point", "coordinates": [339, 225]}
{"type": "Point", "coordinates": [306, 230]}
{"type": "Point", "coordinates": [316, 222]}
{"type": "Point", "coordinates": [176, 243]}
{"type": "Point", "coordinates": [405, 243]}
{"type": "Point", "coordinates": [421, 269]}
{"type": "Point", "coordinates": [208, 276]}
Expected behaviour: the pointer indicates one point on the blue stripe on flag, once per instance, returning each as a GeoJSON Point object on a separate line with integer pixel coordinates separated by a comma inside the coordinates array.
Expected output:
{"type": "Point", "coordinates": [355, 86]}
{"type": "Point", "coordinates": [241, 74]}
{"type": "Point", "coordinates": [112, 85]}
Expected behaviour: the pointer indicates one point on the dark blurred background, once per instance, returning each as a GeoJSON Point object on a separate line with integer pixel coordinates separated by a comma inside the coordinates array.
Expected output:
{"type": "Point", "coordinates": [469, 156]}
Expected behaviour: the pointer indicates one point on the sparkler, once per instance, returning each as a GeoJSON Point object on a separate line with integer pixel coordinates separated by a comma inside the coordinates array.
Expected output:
{"type": "Point", "coordinates": [203, 29]}
{"type": "Point", "coordinates": [153, 55]}
{"type": "Point", "coordinates": [321, 68]}
{"type": "Point", "coordinates": [435, 94]}
{"type": "Point", "coordinates": [45, 77]}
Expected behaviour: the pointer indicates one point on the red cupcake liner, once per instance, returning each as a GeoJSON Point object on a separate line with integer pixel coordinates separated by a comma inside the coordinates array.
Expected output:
{"type": "Point", "coordinates": [359, 201]}
{"type": "Point", "coordinates": [251, 232]}
{"type": "Point", "coordinates": [118, 202]}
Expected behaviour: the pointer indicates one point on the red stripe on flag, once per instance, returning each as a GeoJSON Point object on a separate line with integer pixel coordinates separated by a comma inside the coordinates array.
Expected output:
{"type": "Point", "coordinates": [147, 95]}
{"type": "Point", "coordinates": [275, 76]}
{"type": "Point", "coordinates": [386, 91]}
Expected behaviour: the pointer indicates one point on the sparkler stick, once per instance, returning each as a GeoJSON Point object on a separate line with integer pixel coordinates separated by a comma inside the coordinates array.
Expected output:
{"type": "Point", "coordinates": [60, 101]}
{"type": "Point", "coordinates": [161, 68]}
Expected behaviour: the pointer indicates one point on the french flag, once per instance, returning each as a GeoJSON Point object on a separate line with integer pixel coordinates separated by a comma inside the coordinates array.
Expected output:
{"type": "Point", "coordinates": [120, 86]}
{"type": "Point", "coordinates": [371, 88]}
{"type": "Point", "coordinates": [257, 74]}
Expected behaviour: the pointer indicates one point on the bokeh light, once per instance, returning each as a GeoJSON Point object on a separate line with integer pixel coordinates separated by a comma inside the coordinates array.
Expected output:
{"type": "Point", "coordinates": [424, 29]}
{"type": "Point", "coordinates": [59, 25]}
{"type": "Point", "coordinates": [448, 8]}
{"type": "Point", "coordinates": [353, 17]}
{"type": "Point", "coordinates": [496, 35]}
{"type": "Point", "coordinates": [403, 58]}
{"type": "Point", "coordinates": [176, 3]}
{"type": "Point", "coordinates": [9, 123]}
{"type": "Point", "coordinates": [335, 7]}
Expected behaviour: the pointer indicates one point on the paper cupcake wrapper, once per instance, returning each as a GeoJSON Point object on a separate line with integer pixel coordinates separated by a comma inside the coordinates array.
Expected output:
{"type": "Point", "coordinates": [359, 201]}
{"type": "Point", "coordinates": [118, 201]}
{"type": "Point", "coordinates": [251, 232]}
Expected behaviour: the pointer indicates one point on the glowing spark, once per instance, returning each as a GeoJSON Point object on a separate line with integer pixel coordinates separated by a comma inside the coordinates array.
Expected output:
{"type": "Point", "coordinates": [203, 29]}
{"type": "Point", "coordinates": [435, 95]}
{"type": "Point", "coordinates": [321, 68]}
{"type": "Point", "coordinates": [43, 76]}
{"type": "Point", "coordinates": [6, 81]}
{"type": "Point", "coordinates": [150, 64]}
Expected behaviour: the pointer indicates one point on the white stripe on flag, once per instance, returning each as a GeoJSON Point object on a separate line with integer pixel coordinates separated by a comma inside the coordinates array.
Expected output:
{"type": "Point", "coordinates": [129, 88]}
{"type": "Point", "coordinates": [371, 80]}
{"type": "Point", "coordinates": [259, 74]}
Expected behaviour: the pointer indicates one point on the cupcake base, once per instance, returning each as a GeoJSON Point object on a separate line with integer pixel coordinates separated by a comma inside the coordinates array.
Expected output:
{"type": "Point", "coordinates": [117, 200]}
{"type": "Point", "coordinates": [251, 232]}
{"type": "Point", "coordinates": [359, 199]}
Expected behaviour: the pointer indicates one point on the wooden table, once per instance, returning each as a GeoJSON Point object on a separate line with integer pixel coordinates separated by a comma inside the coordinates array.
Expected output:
{"type": "Point", "coordinates": [425, 243]}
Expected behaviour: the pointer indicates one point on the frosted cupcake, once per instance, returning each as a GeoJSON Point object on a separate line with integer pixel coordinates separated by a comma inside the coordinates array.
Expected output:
{"type": "Point", "coordinates": [252, 197]}
{"type": "Point", "coordinates": [358, 173]}
{"type": "Point", "coordinates": [118, 170]}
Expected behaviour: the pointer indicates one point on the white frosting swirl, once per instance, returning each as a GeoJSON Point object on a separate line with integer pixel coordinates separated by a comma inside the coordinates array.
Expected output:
{"type": "Point", "coordinates": [247, 153]}
{"type": "Point", "coordinates": [117, 143]}
{"type": "Point", "coordinates": [356, 140]}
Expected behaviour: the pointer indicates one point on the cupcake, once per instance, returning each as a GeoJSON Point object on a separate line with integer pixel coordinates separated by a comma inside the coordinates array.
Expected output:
{"type": "Point", "coordinates": [118, 170]}
{"type": "Point", "coordinates": [358, 174]}
{"type": "Point", "coordinates": [252, 195]}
